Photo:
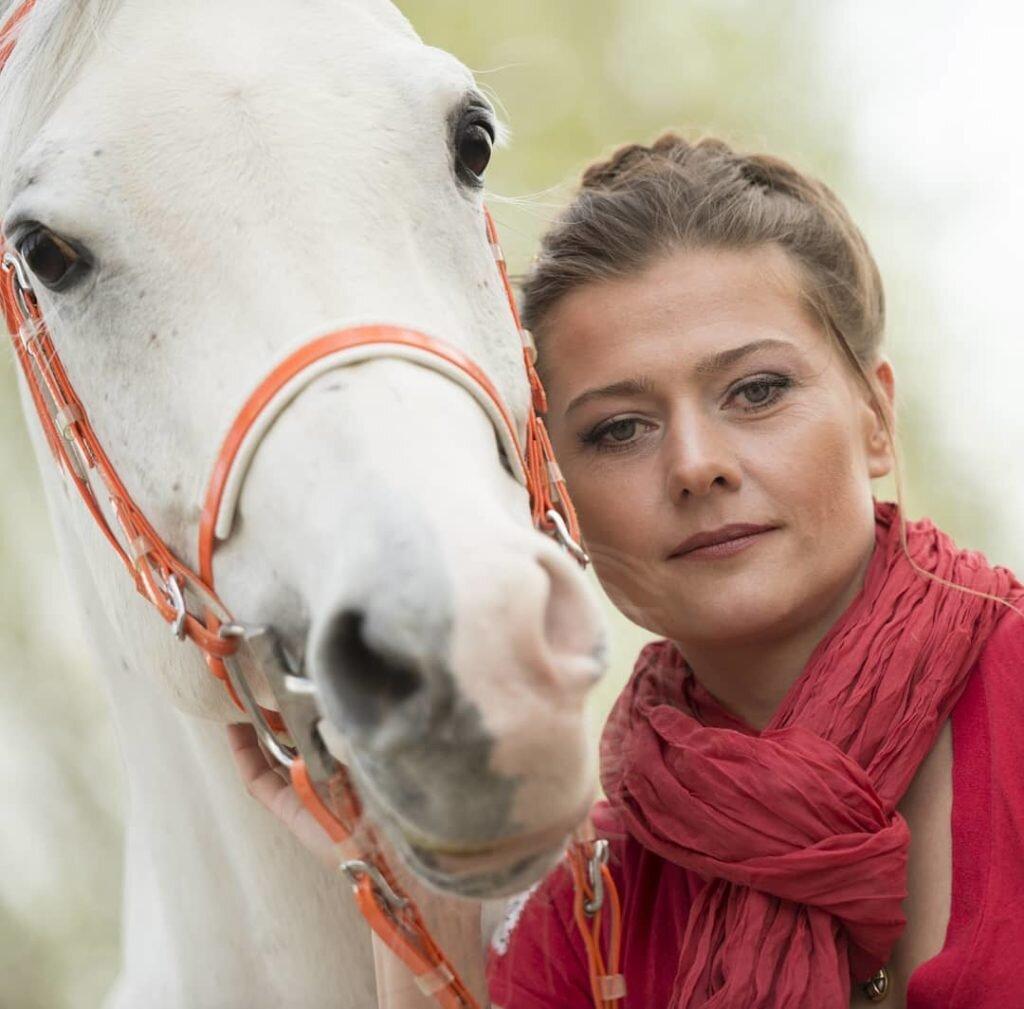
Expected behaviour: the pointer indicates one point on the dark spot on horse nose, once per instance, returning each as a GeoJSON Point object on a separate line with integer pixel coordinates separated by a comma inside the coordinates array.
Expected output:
{"type": "Point", "coordinates": [369, 683]}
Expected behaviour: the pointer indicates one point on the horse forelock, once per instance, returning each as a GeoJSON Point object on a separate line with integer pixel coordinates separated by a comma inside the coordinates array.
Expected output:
{"type": "Point", "coordinates": [52, 43]}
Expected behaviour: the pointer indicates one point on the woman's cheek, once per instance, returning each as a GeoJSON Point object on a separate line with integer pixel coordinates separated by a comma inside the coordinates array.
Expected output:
{"type": "Point", "coordinates": [616, 506]}
{"type": "Point", "coordinates": [605, 525]}
{"type": "Point", "coordinates": [617, 523]}
{"type": "Point", "coordinates": [824, 494]}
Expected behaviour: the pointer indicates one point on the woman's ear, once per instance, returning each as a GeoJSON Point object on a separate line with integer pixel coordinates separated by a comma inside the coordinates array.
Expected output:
{"type": "Point", "coordinates": [878, 448]}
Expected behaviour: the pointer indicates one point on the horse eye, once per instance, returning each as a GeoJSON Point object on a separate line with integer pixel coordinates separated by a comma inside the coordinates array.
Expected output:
{"type": "Point", "coordinates": [50, 258]}
{"type": "Point", "coordinates": [473, 149]}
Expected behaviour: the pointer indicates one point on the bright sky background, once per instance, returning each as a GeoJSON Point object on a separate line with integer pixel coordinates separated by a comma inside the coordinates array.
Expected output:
{"type": "Point", "coordinates": [935, 91]}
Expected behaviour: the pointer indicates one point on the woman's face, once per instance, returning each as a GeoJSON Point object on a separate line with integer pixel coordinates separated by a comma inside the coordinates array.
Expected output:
{"type": "Point", "coordinates": [699, 394]}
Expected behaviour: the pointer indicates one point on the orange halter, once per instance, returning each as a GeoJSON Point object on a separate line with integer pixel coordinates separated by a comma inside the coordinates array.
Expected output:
{"type": "Point", "coordinates": [187, 600]}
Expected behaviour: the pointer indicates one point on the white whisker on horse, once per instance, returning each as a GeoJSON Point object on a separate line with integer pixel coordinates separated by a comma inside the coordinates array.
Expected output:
{"type": "Point", "coordinates": [272, 369]}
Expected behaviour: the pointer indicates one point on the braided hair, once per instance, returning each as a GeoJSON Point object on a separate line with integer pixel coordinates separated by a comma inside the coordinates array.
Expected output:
{"type": "Point", "coordinates": [645, 201]}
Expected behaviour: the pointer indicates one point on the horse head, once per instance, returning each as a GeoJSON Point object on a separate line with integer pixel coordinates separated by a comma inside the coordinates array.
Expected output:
{"type": "Point", "coordinates": [196, 189]}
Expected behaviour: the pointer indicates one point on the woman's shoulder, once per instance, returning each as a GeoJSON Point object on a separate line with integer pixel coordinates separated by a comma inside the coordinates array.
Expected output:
{"type": "Point", "coordinates": [988, 752]}
{"type": "Point", "coordinates": [999, 669]}
{"type": "Point", "coordinates": [987, 741]}
{"type": "Point", "coordinates": [986, 929]}
{"type": "Point", "coordinates": [1007, 638]}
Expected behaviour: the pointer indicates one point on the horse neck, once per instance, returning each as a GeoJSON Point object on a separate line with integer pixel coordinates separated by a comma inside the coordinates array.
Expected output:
{"type": "Point", "coordinates": [221, 906]}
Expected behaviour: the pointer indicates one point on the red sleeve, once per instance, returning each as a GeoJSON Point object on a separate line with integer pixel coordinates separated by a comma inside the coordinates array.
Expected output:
{"type": "Point", "coordinates": [536, 958]}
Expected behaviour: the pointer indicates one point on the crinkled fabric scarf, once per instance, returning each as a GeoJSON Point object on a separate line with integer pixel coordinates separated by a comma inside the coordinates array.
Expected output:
{"type": "Point", "coordinates": [795, 828]}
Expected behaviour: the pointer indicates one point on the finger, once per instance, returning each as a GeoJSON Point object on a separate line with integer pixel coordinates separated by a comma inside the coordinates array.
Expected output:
{"type": "Point", "coordinates": [240, 736]}
{"type": "Point", "coordinates": [275, 793]}
{"type": "Point", "coordinates": [273, 763]}
{"type": "Point", "coordinates": [257, 772]}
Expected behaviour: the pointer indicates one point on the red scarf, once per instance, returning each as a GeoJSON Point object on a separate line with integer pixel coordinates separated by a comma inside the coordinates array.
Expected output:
{"type": "Point", "coordinates": [795, 827]}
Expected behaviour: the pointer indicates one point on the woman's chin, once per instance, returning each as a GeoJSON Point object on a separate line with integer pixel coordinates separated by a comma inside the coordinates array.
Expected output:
{"type": "Point", "coordinates": [747, 615]}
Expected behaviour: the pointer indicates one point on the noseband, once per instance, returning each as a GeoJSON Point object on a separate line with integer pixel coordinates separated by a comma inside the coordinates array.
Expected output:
{"type": "Point", "coordinates": [187, 600]}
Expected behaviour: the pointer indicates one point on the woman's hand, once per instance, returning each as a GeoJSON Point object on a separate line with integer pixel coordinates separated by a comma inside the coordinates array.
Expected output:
{"type": "Point", "coordinates": [454, 924]}
{"type": "Point", "coordinates": [267, 782]}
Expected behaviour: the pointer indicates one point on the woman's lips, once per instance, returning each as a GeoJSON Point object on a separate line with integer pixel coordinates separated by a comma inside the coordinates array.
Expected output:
{"type": "Point", "coordinates": [727, 549]}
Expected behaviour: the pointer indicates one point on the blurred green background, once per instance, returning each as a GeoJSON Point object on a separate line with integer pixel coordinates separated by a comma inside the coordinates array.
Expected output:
{"type": "Point", "coordinates": [902, 114]}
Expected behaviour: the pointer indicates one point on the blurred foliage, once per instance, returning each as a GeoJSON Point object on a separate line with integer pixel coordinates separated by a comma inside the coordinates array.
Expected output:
{"type": "Point", "coordinates": [576, 79]}
{"type": "Point", "coordinates": [572, 79]}
{"type": "Point", "coordinates": [61, 776]}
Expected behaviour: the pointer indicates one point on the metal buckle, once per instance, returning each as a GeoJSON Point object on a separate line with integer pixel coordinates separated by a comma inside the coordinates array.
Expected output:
{"type": "Point", "coordinates": [22, 285]}
{"type": "Point", "coordinates": [561, 534]}
{"type": "Point", "coordinates": [356, 867]}
{"type": "Point", "coordinates": [172, 589]}
{"type": "Point", "coordinates": [595, 878]}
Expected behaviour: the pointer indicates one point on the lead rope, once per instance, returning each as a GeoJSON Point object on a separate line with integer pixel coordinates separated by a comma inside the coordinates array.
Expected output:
{"type": "Point", "coordinates": [593, 888]}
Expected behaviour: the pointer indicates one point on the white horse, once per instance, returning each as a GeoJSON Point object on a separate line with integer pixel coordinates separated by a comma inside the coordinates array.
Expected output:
{"type": "Point", "coordinates": [198, 186]}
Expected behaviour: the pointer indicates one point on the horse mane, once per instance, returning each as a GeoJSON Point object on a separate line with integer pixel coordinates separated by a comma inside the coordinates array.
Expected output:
{"type": "Point", "coordinates": [53, 41]}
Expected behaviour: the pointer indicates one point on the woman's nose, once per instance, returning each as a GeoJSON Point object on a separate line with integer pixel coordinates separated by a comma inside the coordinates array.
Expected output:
{"type": "Point", "coordinates": [699, 456]}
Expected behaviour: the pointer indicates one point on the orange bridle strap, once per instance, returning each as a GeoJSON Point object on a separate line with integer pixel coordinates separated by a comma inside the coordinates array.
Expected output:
{"type": "Point", "coordinates": [187, 600]}
{"type": "Point", "coordinates": [332, 348]}
{"type": "Point", "coordinates": [594, 891]}
{"type": "Point", "coordinates": [386, 340]}
{"type": "Point", "coordinates": [10, 30]}
{"type": "Point", "coordinates": [547, 485]}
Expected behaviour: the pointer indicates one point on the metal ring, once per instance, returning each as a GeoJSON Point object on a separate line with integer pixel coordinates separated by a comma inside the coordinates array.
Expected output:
{"type": "Point", "coordinates": [282, 753]}
{"type": "Point", "coordinates": [172, 589]}
{"type": "Point", "coordinates": [22, 284]}
{"type": "Point", "coordinates": [594, 865]}
{"type": "Point", "coordinates": [562, 535]}
{"type": "Point", "coordinates": [355, 867]}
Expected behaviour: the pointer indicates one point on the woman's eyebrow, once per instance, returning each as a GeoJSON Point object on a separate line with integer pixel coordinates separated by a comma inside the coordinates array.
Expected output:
{"type": "Point", "coordinates": [627, 387]}
{"type": "Point", "coordinates": [711, 365]}
{"type": "Point", "coordinates": [722, 360]}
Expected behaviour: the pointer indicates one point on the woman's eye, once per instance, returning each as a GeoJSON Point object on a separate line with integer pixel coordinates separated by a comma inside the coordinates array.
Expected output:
{"type": "Point", "coordinates": [51, 259]}
{"type": "Point", "coordinates": [473, 149]}
{"type": "Point", "coordinates": [614, 434]}
{"type": "Point", "coordinates": [764, 391]}
{"type": "Point", "coordinates": [621, 430]}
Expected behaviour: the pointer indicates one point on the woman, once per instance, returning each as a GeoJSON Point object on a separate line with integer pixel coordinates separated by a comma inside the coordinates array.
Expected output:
{"type": "Point", "coordinates": [829, 723]}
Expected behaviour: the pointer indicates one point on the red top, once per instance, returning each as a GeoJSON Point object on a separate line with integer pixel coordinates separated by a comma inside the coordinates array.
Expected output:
{"type": "Point", "coordinates": [537, 959]}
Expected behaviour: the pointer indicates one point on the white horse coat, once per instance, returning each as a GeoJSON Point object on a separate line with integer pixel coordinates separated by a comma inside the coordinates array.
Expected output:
{"type": "Point", "coordinates": [238, 176]}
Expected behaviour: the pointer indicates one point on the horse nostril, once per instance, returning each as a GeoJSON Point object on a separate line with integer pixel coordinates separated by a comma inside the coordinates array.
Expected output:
{"type": "Point", "coordinates": [368, 683]}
